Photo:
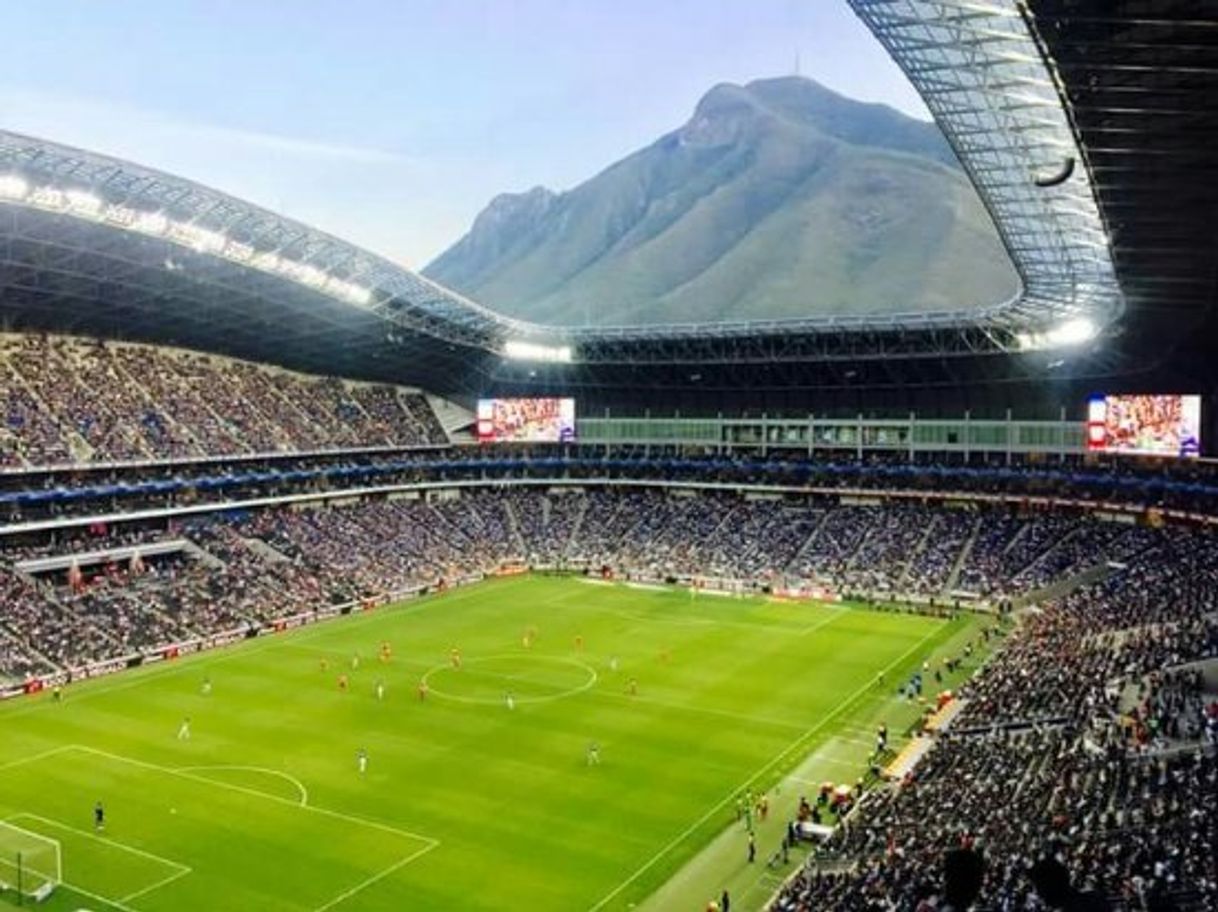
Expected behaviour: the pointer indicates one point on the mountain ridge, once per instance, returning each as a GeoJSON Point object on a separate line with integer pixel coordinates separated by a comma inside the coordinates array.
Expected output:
{"type": "Point", "coordinates": [779, 198]}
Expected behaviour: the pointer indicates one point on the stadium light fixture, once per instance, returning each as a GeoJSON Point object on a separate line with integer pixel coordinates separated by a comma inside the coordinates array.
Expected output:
{"type": "Point", "coordinates": [1075, 331]}
{"type": "Point", "coordinates": [531, 351]}
{"type": "Point", "coordinates": [13, 187]}
{"type": "Point", "coordinates": [82, 204]}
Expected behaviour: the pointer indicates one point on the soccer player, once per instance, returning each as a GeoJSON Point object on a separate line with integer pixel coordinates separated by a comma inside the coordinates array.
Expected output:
{"type": "Point", "coordinates": [99, 816]}
{"type": "Point", "coordinates": [342, 683]}
{"type": "Point", "coordinates": [184, 730]}
{"type": "Point", "coordinates": [380, 689]}
{"type": "Point", "coordinates": [594, 754]}
{"type": "Point", "coordinates": [355, 661]}
{"type": "Point", "coordinates": [579, 643]}
{"type": "Point", "coordinates": [509, 700]}
{"type": "Point", "coordinates": [386, 651]}
{"type": "Point", "coordinates": [632, 687]}
{"type": "Point", "coordinates": [422, 690]}
{"type": "Point", "coordinates": [205, 687]}
{"type": "Point", "coordinates": [324, 664]}
{"type": "Point", "coordinates": [361, 760]}
{"type": "Point", "coordinates": [57, 694]}
{"type": "Point", "coordinates": [613, 664]}
{"type": "Point", "coordinates": [455, 657]}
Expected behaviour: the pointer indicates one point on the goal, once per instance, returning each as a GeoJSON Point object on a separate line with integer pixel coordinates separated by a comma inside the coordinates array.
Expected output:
{"type": "Point", "coordinates": [30, 864]}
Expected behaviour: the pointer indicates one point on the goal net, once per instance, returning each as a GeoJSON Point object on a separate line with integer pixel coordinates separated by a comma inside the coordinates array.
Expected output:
{"type": "Point", "coordinates": [30, 863]}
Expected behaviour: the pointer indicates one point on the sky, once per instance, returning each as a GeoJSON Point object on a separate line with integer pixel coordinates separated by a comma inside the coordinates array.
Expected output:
{"type": "Point", "coordinates": [391, 123]}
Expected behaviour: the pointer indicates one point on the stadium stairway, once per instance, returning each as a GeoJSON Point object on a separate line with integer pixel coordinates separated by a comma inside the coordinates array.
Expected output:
{"type": "Point", "coordinates": [576, 525]}
{"type": "Point", "coordinates": [810, 540]}
{"type": "Point", "coordinates": [917, 550]}
{"type": "Point", "coordinates": [957, 568]}
{"type": "Point", "coordinates": [1064, 586]}
{"type": "Point", "coordinates": [453, 418]}
{"type": "Point", "coordinates": [265, 551]}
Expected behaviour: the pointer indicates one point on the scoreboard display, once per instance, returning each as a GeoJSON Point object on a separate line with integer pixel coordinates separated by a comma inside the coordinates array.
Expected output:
{"type": "Point", "coordinates": [526, 420]}
{"type": "Point", "coordinates": [1145, 425]}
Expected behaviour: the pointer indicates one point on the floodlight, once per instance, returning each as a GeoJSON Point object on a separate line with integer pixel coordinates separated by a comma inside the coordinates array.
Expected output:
{"type": "Point", "coordinates": [84, 203]}
{"type": "Point", "coordinates": [13, 187]}
{"type": "Point", "coordinates": [1072, 332]}
{"type": "Point", "coordinates": [531, 351]}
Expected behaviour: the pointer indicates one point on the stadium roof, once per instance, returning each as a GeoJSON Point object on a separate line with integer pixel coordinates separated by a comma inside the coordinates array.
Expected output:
{"type": "Point", "coordinates": [1054, 130]}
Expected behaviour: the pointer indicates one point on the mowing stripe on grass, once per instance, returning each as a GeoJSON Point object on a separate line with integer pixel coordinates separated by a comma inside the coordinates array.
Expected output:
{"type": "Point", "coordinates": [726, 800]}
{"type": "Point", "coordinates": [698, 710]}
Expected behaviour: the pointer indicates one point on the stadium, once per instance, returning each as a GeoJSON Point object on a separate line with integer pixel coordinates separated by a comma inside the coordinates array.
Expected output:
{"type": "Point", "coordinates": [324, 586]}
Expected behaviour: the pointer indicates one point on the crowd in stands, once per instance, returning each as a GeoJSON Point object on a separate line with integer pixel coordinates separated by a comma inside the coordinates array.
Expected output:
{"type": "Point", "coordinates": [69, 400]}
{"type": "Point", "coordinates": [1078, 742]}
{"type": "Point", "coordinates": [275, 561]}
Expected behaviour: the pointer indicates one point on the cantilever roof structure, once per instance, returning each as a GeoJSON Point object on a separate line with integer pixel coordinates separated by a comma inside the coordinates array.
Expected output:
{"type": "Point", "coordinates": [979, 70]}
{"type": "Point", "coordinates": [93, 244]}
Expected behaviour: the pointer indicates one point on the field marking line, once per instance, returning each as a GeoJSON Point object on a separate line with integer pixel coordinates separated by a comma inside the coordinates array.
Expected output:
{"type": "Point", "coordinates": [838, 612]}
{"type": "Point", "coordinates": [700, 710]}
{"type": "Point", "coordinates": [375, 878]}
{"type": "Point", "coordinates": [164, 882]}
{"type": "Point", "coordinates": [113, 903]}
{"type": "Point", "coordinates": [34, 758]}
{"type": "Point", "coordinates": [337, 815]}
{"type": "Point", "coordinates": [300, 787]}
{"type": "Point", "coordinates": [180, 871]}
{"type": "Point", "coordinates": [465, 669]}
{"type": "Point", "coordinates": [168, 862]}
{"type": "Point", "coordinates": [727, 800]}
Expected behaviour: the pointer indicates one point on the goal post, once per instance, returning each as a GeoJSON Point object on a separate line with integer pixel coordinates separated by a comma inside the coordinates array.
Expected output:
{"type": "Point", "coordinates": [31, 865]}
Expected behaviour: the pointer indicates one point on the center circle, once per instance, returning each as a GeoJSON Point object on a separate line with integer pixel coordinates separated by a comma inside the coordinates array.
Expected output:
{"type": "Point", "coordinates": [487, 680]}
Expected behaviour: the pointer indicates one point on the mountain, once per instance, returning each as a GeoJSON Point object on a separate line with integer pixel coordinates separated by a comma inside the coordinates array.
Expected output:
{"type": "Point", "coordinates": [779, 198]}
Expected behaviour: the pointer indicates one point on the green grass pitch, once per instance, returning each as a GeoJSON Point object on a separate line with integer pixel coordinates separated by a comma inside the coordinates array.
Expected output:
{"type": "Point", "coordinates": [465, 804]}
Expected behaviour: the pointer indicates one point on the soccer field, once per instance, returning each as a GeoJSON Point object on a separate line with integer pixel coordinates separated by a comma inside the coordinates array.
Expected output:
{"type": "Point", "coordinates": [466, 803]}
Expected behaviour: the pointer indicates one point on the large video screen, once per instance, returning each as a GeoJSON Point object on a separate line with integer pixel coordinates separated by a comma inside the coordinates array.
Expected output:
{"type": "Point", "coordinates": [526, 420]}
{"type": "Point", "coordinates": [1148, 425]}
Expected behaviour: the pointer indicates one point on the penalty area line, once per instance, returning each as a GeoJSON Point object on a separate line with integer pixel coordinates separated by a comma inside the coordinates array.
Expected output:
{"type": "Point", "coordinates": [376, 878]}
{"type": "Point", "coordinates": [726, 800]}
{"type": "Point", "coordinates": [222, 767]}
{"type": "Point", "coordinates": [267, 796]}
